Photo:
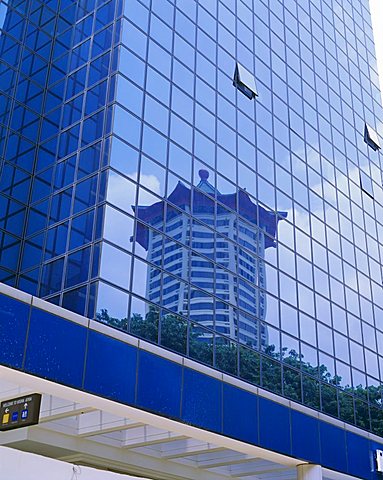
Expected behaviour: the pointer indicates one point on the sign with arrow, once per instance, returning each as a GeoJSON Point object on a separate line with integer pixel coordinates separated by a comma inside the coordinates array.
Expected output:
{"type": "Point", "coordinates": [20, 412]}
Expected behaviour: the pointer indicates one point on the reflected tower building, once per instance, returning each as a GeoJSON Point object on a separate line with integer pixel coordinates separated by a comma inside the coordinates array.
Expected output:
{"type": "Point", "coordinates": [237, 278]}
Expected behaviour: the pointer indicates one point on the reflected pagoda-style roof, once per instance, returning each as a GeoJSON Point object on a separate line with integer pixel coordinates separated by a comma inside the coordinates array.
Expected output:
{"type": "Point", "coordinates": [202, 204]}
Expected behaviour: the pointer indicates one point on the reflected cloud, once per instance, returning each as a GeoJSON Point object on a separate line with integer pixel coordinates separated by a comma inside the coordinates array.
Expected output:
{"type": "Point", "coordinates": [122, 192]}
{"type": "Point", "coordinates": [152, 183]}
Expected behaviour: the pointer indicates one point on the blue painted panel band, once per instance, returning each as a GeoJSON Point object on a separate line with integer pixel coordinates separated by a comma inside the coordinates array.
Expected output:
{"type": "Point", "coordinates": [14, 317]}
{"type": "Point", "coordinates": [55, 348]}
{"type": "Point", "coordinates": [159, 385]}
{"type": "Point", "coordinates": [110, 368]}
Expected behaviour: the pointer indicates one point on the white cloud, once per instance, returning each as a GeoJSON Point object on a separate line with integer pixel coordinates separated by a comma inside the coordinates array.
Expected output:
{"type": "Point", "coordinates": [151, 182]}
{"type": "Point", "coordinates": [122, 192]}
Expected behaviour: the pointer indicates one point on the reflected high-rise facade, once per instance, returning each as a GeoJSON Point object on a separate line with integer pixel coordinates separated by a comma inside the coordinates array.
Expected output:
{"type": "Point", "coordinates": [234, 242]}
{"type": "Point", "coordinates": [206, 175]}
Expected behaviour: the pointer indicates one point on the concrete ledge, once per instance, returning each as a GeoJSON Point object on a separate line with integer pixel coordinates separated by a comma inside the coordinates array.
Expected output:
{"type": "Point", "coordinates": [236, 382]}
{"type": "Point", "coordinates": [15, 293]}
{"type": "Point", "coordinates": [202, 368]}
{"type": "Point", "coordinates": [59, 311]}
{"type": "Point", "coordinates": [331, 420]}
{"type": "Point", "coordinates": [150, 347]}
{"type": "Point", "coordinates": [303, 409]}
{"type": "Point", "coordinates": [113, 332]}
{"type": "Point", "coordinates": [274, 397]}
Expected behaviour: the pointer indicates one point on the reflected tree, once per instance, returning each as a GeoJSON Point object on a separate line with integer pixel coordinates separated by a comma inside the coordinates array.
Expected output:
{"type": "Point", "coordinates": [104, 317]}
{"type": "Point", "coordinates": [174, 333]}
{"type": "Point", "coordinates": [146, 327]}
{"type": "Point", "coordinates": [226, 356]}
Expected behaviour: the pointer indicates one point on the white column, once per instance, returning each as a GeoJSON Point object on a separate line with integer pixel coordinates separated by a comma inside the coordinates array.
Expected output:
{"type": "Point", "coordinates": [309, 472]}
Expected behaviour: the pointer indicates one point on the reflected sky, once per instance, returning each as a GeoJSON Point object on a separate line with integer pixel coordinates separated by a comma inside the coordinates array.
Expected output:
{"type": "Point", "coordinates": [3, 12]}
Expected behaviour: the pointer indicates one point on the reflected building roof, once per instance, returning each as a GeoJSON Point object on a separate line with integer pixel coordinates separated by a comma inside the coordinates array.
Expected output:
{"type": "Point", "coordinates": [181, 196]}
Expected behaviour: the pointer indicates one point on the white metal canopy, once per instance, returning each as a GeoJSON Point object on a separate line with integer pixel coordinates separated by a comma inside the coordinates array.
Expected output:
{"type": "Point", "coordinates": [84, 429]}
